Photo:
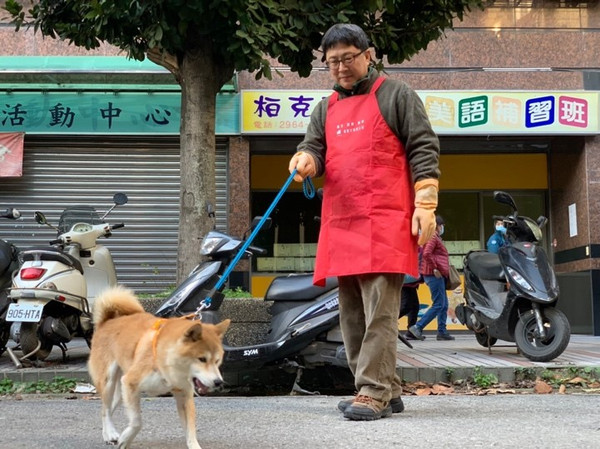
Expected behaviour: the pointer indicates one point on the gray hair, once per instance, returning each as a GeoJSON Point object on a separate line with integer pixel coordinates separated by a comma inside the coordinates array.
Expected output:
{"type": "Point", "coordinates": [344, 33]}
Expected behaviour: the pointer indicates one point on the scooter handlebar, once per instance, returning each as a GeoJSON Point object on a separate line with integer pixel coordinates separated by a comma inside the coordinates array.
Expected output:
{"type": "Point", "coordinates": [117, 226]}
{"type": "Point", "coordinates": [56, 242]}
{"type": "Point", "coordinates": [257, 250]}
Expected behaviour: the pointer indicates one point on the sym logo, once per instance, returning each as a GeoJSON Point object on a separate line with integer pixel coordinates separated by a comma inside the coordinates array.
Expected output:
{"type": "Point", "coordinates": [332, 304]}
{"type": "Point", "coordinates": [250, 352]}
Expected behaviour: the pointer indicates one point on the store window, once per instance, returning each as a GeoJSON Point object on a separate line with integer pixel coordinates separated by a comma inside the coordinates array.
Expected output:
{"type": "Point", "coordinates": [460, 211]}
{"type": "Point", "coordinates": [292, 240]}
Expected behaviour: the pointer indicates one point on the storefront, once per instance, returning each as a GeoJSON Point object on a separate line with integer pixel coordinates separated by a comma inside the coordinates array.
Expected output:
{"type": "Point", "coordinates": [84, 142]}
{"type": "Point", "coordinates": [494, 140]}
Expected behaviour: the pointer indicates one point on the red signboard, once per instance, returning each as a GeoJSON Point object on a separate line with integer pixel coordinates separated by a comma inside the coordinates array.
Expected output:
{"type": "Point", "coordinates": [11, 154]}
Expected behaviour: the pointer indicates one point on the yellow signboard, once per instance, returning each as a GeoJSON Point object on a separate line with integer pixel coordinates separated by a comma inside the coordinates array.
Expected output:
{"type": "Point", "coordinates": [450, 112]}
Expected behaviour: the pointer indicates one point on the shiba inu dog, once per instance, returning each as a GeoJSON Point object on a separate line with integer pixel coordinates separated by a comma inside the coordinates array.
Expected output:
{"type": "Point", "coordinates": [134, 352]}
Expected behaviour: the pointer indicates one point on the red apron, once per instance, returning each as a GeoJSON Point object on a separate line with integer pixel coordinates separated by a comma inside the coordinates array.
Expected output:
{"type": "Point", "coordinates": [368, 194]}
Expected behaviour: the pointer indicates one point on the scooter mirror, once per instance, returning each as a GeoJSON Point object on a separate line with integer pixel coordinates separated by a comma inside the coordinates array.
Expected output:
{"type": "Point", "coordinates": [120, 198]}
{"type": "Point", "coordinates": [267, 224]}
{"type": "Point", "coordinates": [541, 221]}
{"type": "Point", "coordinates": [40, 218]}
{"type": "Point", "coordinates": [505, 198]}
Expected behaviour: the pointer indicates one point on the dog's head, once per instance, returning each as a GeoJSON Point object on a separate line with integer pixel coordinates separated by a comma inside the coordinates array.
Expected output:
{"type": "Point", "coordinates": [202, 344]}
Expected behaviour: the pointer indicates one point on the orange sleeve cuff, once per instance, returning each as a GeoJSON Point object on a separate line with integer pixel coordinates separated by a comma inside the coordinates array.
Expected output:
{"type": "Point", "coordinates": [426, 183]}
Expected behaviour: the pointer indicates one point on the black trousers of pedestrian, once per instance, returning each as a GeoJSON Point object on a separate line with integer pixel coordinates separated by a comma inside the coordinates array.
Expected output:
{"type": "Point", "coordinates": [409, 305]}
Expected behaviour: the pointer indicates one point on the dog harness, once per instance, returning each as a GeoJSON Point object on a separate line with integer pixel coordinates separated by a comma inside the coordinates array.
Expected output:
{"type": "Point", "coordinates": [157, 327]}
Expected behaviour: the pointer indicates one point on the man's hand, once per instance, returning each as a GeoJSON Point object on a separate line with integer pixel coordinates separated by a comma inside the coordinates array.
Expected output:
{"type": "Point", "coordinates": [426, 200]}
{"type": "Point", "coordinates": [423, 220]}
{"type": "Point", "coordinates": [304, 164]}
{"type": "Point", "coordinates": [437, 273]}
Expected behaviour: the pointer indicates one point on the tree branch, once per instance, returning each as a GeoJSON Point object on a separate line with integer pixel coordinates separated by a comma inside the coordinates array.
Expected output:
{"type": "Point", "coordinates": [166, 60]}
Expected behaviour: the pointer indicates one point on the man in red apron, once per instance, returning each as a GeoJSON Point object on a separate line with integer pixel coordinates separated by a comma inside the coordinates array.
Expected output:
{"type": "Point", "coordinates": [373, 142]}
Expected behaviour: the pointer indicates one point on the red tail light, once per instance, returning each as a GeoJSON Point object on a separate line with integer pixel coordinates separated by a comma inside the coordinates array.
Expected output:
{"type": "Point", "coordinates": [31, 274]}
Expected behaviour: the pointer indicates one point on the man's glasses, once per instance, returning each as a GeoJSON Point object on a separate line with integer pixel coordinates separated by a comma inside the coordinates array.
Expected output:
{"type": "Point", "coordinates": [347, 60]}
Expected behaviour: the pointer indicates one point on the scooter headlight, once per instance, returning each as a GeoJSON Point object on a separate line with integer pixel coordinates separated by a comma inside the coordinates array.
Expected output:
{"type": "Point", "coordinates": [210, 245]}
{"type": "Point", "coordinates": [520, 280]}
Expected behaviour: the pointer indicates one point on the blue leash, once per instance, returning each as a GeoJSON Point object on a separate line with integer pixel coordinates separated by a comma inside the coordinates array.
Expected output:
{"type": "Point", "coordinates": [309, 192]}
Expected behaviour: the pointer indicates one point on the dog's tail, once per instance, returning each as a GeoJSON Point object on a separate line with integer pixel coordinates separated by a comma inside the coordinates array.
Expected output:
{"type": "Point", "coordinates": [114, 302]}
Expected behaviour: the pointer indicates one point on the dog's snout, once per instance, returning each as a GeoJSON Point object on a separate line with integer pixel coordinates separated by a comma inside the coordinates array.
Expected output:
{"type": "Point", "coordinates": [218, 383]}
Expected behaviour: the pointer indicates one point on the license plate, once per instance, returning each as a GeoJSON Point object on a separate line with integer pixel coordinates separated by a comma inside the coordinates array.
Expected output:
{"type": "Point", "coordinates": [24, 312]}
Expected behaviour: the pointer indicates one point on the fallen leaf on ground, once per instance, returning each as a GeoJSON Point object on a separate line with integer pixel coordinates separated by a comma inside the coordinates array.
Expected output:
{"type": "Point", "coordinates": [577, 380]}
{"type": "Point", "coordinates": [442, 389]}
{"type": "Point", "coordinates": [423, 391]}
{"type": "Point", "coordinates": [542, 387]}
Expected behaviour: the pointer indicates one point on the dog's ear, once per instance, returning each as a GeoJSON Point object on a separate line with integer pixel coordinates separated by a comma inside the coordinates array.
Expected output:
{"type": "Point", "coordinates": [194, 333]}
{"type": "Point", "coordinates": [222, 327]}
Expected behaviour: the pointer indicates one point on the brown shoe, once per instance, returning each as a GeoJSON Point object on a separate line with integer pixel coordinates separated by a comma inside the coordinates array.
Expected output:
{"type": "Point", "coordinates": [396, 403]}
{"type": "Point", "coordinates": [366, 408]}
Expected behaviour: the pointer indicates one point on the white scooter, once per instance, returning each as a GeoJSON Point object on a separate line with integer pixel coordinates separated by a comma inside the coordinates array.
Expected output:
{"type": "Point", "coordinates": [53, 294]}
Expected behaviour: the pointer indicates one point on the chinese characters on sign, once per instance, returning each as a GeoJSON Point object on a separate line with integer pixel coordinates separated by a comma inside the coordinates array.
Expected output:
{"type": "Point", "coordinates": [278, 112]}
{"type": "Point", "coordinates": [105, 112]}
{"type": "Point", "coordinates": [89, 112]}
{"type": "Point", "coordinates": [450, 112]}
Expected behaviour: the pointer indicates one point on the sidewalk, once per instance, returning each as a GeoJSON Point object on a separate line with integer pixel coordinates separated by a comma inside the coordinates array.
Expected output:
{"type": "Point", "coordinates": [430, 360]}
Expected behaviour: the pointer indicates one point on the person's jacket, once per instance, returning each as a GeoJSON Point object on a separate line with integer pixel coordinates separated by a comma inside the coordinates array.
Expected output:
{"type": "Point", "coordinates": [496, 241]}
{"type": "Point", "coordinates": [435, 256]}
{"type": "Point", "coordinates": [404, 113]}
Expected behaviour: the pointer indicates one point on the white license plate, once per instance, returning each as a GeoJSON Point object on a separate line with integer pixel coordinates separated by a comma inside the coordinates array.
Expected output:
{"type": "Point", "coordinates": [24, 312]}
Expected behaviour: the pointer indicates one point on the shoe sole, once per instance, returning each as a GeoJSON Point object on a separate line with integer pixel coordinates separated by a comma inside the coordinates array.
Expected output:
{"type": "Point", "coordinates": [397, 406]}
{"type": "Point", "coordinates": [365, 414]}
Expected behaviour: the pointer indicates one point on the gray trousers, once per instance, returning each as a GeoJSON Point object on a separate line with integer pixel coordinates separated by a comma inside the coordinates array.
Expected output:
{"type": "Point", "coordinates": [369, 305]}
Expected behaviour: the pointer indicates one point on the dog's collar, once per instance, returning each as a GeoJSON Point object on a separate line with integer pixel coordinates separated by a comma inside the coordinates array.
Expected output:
{"type": "Point", "coordinates": [157, 327]}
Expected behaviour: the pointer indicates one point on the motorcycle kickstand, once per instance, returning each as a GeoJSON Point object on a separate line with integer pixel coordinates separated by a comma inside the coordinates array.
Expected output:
{"type": "Point", "coordinates": [297, 389]}
{"type": "Point", "coordinates": [63, 348]}
{"type": "Point", "coordinates": [14, 358]}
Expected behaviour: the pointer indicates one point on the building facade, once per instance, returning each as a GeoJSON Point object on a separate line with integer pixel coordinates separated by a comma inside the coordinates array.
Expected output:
{"type": "Point", "coordinates": [512, 92]}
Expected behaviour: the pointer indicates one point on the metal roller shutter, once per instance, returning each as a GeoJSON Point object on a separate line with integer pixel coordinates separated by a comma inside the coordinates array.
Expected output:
{"type": "Point", "coordinates": [63, 171]}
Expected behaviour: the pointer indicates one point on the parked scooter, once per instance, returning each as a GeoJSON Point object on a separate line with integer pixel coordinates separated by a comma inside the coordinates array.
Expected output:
{"type": "Point", "coordinates": [512, 295]}
{"type": "Point", "coordinates": [9, 263]}
{"type": "Point", "coordinates": [53, 293]}
{"type": "Point", "coordinates": [304, 330]}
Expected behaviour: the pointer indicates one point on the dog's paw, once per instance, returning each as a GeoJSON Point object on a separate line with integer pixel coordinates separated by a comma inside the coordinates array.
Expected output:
{"type": "Point", "coordinates": [110, 438]}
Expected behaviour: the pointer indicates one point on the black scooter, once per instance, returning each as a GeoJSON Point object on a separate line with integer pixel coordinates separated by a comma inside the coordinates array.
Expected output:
{"type": "Point", "coordinates": [304, 330]}
{"type": "Point", "coordinates": [9, 262]}
{"type": "Point", "coordinates": [512, 295]}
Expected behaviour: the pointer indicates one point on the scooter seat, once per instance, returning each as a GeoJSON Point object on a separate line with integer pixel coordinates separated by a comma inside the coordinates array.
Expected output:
{"type": "Point", "coordinates": [486, 266]}
{"type": "Point", "coordinates": [51, 254]}
{"type": "Point", "coordinates": [297, 288]}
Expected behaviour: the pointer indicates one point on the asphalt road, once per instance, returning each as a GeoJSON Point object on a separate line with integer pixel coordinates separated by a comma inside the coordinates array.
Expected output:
{"type": "Point", "coordinates": [293, 422]}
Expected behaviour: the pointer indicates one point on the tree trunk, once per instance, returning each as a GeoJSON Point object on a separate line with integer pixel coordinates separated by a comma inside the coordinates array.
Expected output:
{"type": "Point", "coordinates": [199, 88]}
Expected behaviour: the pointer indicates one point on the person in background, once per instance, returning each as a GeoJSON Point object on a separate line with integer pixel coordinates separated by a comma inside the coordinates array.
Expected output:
{"type": "Point", "coordinates": [374, 144]}
{"type": "Point", "coordinates": [409, 300]}
{"type": "Point", "coordinates": [498, 239]}
{"type": "Point", "coordinates": [435, 266]}
{"type": "Point", "coordinates": [409, 306]}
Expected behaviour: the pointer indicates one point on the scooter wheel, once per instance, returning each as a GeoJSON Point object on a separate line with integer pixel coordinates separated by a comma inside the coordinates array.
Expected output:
{"type": "Point", "coordinates": [4, 326]}
{"type": "Point", "coordinates": [558, 334]}
{"type": "Point", "coordinates": [483, 338]}
{"type": "Point", "coordinates": [4, 335]}
{"type": "Point", "coordinates": [29, 342]}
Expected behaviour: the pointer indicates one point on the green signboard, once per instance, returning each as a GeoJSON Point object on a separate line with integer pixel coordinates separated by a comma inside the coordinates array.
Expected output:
{"type": "Point", "coordinates": [105, 112]}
